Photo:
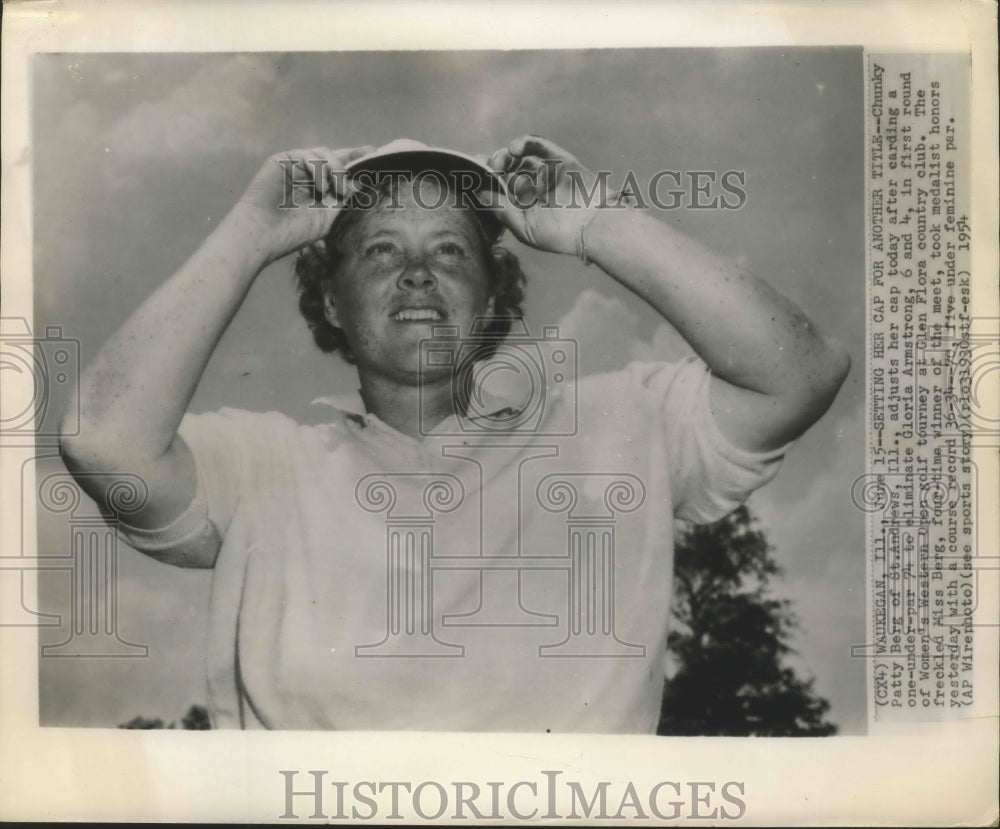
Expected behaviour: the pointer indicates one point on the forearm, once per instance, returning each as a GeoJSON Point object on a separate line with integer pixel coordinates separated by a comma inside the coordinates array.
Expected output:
{"type": "Point", "coordinates": [136, 390]}
{"type": "Point", "coordinates": [748, 334]}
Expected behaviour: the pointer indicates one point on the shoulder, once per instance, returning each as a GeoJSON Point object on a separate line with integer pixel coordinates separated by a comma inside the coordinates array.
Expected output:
{"type": "Point", "coordinates": [240, 422]}
{"type": "Point", "coordinates": [244, 433]}
{"type": "Point", "coordinates": [259, 431]}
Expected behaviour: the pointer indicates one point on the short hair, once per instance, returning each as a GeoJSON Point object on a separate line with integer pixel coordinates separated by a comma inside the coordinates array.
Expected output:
{"type": "Point", "coordinates": [317, 264]}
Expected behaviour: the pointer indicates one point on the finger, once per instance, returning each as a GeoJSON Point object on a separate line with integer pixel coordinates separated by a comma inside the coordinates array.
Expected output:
{"type": "Point", "coordinates": [528, 163]}
{"type": "Point", "coordinates": [307, 170]}
{"type": "Point", "coordinates": [501, 160]}
{"type": "Point", "coordinates": [336, 158]}
{"type": "Point", "coordinates": [342, 155]}
{"type": "Point", "coordinates": [337, 179]}
{"type": "Point", "coordinates": [536, 145]}
{"type": "Point", "coordinates": [502, 207]}
{"type": "Point", "coordinates": [547, 175]}
{"type": "Point", "coordinates": [521, 186]}
{"type": "Point", "coordinates": [346, 156]}
{"type": "Point", "coordinates": [339, 186]}
{"type": "Point", "coordinates": [303, 174]}
{"type": "Point", "coordinates": [533, 177]}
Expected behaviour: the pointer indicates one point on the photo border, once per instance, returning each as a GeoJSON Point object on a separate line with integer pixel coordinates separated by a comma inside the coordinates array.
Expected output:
{"type": "Point", "coordinates": [928, 774]}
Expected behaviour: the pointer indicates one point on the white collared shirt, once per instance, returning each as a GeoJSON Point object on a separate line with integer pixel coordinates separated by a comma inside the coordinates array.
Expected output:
{"type": "Point", "coordinates": [469, 580]}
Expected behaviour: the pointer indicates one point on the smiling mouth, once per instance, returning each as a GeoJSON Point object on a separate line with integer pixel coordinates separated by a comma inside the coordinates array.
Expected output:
{"type": "Point", "coordinates": [417, 315]}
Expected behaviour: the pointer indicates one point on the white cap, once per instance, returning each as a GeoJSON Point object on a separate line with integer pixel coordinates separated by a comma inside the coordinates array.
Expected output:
{"type": "Point", "coordinates": [410, 156]}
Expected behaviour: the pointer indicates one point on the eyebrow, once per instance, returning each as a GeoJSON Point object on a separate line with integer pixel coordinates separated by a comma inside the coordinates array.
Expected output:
{"type": "Point", "coordinates": [363, 237]}
{"type": "Point", "coordinates": [437, 234]}
{"type": "Point", "coordinates": [464, 233]}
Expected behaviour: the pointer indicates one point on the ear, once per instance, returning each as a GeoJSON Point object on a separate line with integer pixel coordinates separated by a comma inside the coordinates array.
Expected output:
{"type": "Point", "coordinates": [330, 309]}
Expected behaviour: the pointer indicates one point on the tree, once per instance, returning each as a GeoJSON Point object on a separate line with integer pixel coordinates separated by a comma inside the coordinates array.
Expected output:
{"type": "Point", "coordinates": [730, 640]}
{"type": "Point", "coordinates": [196, 719]}
{"type": "Point", "coordinates": [145, 723]}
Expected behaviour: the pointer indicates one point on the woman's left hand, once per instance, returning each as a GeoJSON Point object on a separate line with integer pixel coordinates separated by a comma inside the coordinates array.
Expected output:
{"type": "Point", "coordinates": [550, 194]}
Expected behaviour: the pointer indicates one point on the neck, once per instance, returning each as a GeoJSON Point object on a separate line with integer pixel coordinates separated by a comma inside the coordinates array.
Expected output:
{"type": "Point", "coordinates": [399, 405]}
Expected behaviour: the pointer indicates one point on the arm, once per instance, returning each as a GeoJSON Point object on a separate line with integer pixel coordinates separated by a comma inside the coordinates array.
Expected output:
{"type": "Point", "coordinates": [773, 372]}
{"type": "Point", "coordinates": [136, 390]}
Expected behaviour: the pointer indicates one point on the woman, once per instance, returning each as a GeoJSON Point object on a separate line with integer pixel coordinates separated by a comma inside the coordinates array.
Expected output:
{"type": "Point", "coordinates": [413, 563]}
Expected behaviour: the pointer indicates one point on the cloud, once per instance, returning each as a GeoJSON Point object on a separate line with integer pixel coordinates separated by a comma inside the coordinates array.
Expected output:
{"type": "Point", "coordinates": [214, 110]}
{"type": "Point", "coordinates": [508, 89]}
{"type": "Point", "coordinates": [609, 331]}
{"type": "Point", "coordinates": [606, 326]}
{"type": "Point", "coordinates": [166, 610]}
{"type": "Point", "coordinates": [819, 508]}
{"type": "Point", "coordinates": [819, 538]}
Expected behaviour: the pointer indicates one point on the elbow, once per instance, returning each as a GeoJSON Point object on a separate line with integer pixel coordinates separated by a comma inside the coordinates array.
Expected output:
{"type": "Point", "coordinates": [819, 382]}
{"type": "Point", "coordinates": [70, 448]}
{"type": "Point", "coordinates": [75, 453]}
{"type": "Point", "coordinates": [84, 447]}
{"type": "Point", "coordinates": [828, 375]}
{"type": "Point", "coordinates": [91, 447]}
{"type": "Point", "coordinates": [74, 433]}
{"type": "Point", "coordinates": [839, 366]}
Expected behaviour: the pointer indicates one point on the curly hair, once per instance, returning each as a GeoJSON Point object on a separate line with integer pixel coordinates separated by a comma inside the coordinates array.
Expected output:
{"type": "Point", "coordinates": [317, 264]}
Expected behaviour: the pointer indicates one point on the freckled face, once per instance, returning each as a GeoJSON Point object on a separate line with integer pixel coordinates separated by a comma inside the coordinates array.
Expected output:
{"type": "Point", "coordinates": [404, 269]}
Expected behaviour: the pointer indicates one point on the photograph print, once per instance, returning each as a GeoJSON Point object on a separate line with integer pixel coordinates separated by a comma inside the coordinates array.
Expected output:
{"type": "Point", "coordinates": [489, 391]}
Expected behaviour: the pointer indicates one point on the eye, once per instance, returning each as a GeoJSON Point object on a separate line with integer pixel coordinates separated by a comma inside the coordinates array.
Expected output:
{"type": "Point", "coordinates": [380, 250]}
{"type": "Point", "coordinates": [451, 249]}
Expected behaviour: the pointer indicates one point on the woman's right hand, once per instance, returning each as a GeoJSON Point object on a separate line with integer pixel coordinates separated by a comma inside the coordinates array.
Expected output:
{"type": "Point", "coordinates": [294, 198]}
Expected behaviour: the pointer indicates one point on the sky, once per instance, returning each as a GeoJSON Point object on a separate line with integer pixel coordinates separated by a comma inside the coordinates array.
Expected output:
{"type": "Point", "coordinates": [137, 157]}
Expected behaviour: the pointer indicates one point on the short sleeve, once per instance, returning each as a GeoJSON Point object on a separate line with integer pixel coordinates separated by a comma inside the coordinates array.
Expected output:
{"type": "Point", "coordinates": [709, 476]}
{"type": "Point", "coordinates": [226, 446]}
{"type": "Point", "coordinates": [220, 443]}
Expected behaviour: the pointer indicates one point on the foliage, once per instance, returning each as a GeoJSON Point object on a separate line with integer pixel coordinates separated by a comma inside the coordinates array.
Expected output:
{"type": "Point", "coordinates": [730, 639]}
{"type": "Point", "coordinates": [196, 719]}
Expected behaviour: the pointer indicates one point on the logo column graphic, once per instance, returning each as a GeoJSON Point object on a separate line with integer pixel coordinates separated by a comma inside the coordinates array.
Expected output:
{"type": "Point", "coordinates": [591, 552]}
{"type": "Point", "coordinates": [500, 603]}
{"type": "Point", "coordinates": [93, 629]}
{"type": "Point", "coordinates": [410, 502]}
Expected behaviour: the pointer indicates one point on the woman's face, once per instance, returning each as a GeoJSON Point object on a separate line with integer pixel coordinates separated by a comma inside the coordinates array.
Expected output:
{"type": "Point", "coordinates": [404, 269]}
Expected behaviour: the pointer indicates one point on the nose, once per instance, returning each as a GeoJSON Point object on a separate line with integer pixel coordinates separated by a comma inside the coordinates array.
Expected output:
{"type": "Point", "coordinates": [416, 276]}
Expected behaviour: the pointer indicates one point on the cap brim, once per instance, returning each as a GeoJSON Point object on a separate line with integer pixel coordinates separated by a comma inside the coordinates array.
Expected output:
{"type": "Point", "coordinates": [456, 168]}
{"type": "Point", "coordinates": [428, 159]}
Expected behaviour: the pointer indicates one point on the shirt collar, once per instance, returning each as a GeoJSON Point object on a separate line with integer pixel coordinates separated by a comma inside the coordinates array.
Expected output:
{"type": "Point", "coordinates": [349, 402]}
{"type": "Point", "coordinates": [352, 403]}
